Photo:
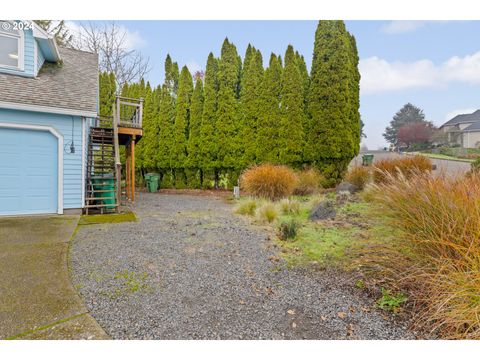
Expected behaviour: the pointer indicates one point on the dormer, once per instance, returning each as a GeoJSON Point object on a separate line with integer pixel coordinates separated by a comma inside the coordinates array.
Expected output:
{"type": "Point", "coordinates": [24, 48]}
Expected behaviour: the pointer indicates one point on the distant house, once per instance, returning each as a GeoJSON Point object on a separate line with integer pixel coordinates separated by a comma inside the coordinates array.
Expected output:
{"type": "Point", "coordinates": [48, 99]}
{"type": "Point", "coordinates": [463, 130]}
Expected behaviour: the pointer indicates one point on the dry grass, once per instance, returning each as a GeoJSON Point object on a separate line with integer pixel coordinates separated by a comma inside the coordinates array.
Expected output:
{"type": "Point", "coordinates": [267, 213]}
{"type": "Point", "coordinates": [247, 207]}
{"type": "Point", "coordinates": [290, 207]}
{"type": "Point", "coordinates": [408, 166]}
{"type": "Point", "coordinates": [309, 182]}
{"type": "Point", "coordinates": [269, 181]}
{"type": "Point", "coordinates": [439, 219]}
{"type": "Point", "coordinates": [359, 176]}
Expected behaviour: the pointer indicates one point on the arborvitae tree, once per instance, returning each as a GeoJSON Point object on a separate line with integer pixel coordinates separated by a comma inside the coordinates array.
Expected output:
{"type": "Point", "coordinates": [180, 128]}
{"type": "Point", "coordinates": [267, 144]}
{"type": "Point", "coordinates": [207, 130]}
{"type": "Point", "coordinates": [356, 122]}
{"type": "Point", "coordinates": [146, 149]}
{"type": "Point", "coordinates": [227, 109]}
{"type": "Point", "coordinates": [331, 136]}
{"type": "Point", "coordinates": [107, 93]}
{"type": "Point", "coordinates": [290, 139]}
{"type": "Point", "coordinates": [194, 137]}
{"type": "Point", "coordinates": [165, 119]}
{"type": "Point", "coordinates": [249, 103]}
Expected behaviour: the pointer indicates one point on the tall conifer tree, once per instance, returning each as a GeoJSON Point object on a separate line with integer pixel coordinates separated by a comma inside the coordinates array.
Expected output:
{"type": "Point", "coordinates": [207, 129]}
{"type": "Point", "coordinates": [290, 139]}
{"type": "Point", "coordinates": [194, 138]}
{"type": "Point", "coordinates": [180, 127]}
{"type": "Point", "coordinates": [331, 137]}
{"type": "Point", "coordinates": [227, 108]}
{"type": "Point", "coordinates": [267, 144]}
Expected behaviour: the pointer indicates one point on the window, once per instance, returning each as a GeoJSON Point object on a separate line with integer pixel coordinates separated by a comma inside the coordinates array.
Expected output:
{"type": "Point", "coordinates": [11, 48]}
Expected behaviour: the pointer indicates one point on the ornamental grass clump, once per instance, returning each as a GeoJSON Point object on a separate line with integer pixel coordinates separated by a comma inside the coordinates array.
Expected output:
{"type": "Point", "coordinates": [408, 166]}
{"type": "Point", "coordinates": [290, 207]}
{"type": "Point", "coordinates": [439, 219]}
{"type": "Point", "coordinates": [267, 213]}
{"type": "Point", "coordinates": [309, 182]}
{"type": "Point", "coordinates": [359, 176]}
{"type": "Point", "coordinates": [269, 181]}
{"type": "Point", "coordinates": [247, 207]}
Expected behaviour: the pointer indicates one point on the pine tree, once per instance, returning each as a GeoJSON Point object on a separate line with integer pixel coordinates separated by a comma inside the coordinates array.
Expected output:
{"type": "Point", "coordinates": [207, 130]}
{"type": "Point", "coordinates": [267, 144]}
{"type": "Point", "coordinates": [249, 103]}
{"type": "Point", "coordinates": [180, 128]}
{"type": "Point", "coordinates": [194, 138]}
{"type": "Point", "coordinates": [227, 108]}
{"type": "Point", "coordinates": [292, 112]}
{"type": "Point", "coordinates": [406, 115]}
{"type": "Point", "coordinates": [331, 136]}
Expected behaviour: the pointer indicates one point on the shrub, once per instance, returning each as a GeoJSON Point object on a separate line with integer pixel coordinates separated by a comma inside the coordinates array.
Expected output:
{"type": "Point", "coordinates": [269, 181]}
{"type": "Point", "coordinates": [267, 213]}
{"type": "Point", "coordinates": [247, 207]}
{"type": "Point", "coordinates": [309, 182]}
{"type": "Point", "coordinates": [358, 176]}
{"type": "Point", "coordinates": [290, 206]}
{"type": "Point", "coordinates": [439, 218]}
{"type": "Point", "coordinates": [288, 229]}
{"type": "Point", "coordinates": [475, 167]}
{"type": "Point", "coordinates": [408, 166]}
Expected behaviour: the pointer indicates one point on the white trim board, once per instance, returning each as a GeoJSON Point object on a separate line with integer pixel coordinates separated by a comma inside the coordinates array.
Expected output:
{"type": "Point", "coordinates": [46, 109]}
{"type": "Point", "coordinates": [59, 137]}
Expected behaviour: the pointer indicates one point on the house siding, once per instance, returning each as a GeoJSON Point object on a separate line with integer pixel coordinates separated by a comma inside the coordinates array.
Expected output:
{"type": "Point", "coordinates": [72, 163]}
{"type": "Point", "coordinates": [471, 139]}
{"type": "Point", "coordinates": [40, 58]}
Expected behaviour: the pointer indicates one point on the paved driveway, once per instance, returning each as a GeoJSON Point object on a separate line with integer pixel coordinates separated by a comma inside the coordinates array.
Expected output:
{"type": "Point", "coordinates": [37, 300]}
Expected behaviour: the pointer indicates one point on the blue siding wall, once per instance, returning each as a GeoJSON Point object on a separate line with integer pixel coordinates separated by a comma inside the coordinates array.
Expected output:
{"type": "Point", "coordinates": [40, 58]}
{"type": "Point", "coordinates": [72, 163]}
{"type": "Point", "coordinates": [28, 56]}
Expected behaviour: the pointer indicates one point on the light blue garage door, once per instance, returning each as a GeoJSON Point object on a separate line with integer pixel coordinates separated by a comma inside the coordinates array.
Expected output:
{"type": "Point", "coordinates": [28, 172]}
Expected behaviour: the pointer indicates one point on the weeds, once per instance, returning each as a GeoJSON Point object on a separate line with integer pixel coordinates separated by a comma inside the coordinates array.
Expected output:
{"type": "Point", "coordinates": [288, 229]}
{"type": "Point", "coordinates": [247, 207]}
{"type": "Point", "coordinates": [290, 207]}
{"type": "Point", "coordinates": [391, 302]}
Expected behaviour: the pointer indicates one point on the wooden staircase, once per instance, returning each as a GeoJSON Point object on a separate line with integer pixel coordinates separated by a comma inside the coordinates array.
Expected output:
{"type": "Point", "coordinates": [101, 171]}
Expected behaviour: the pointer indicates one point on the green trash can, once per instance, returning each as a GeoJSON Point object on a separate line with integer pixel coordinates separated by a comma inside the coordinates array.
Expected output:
{"type": "Point", "coordinates": [367, 159]}
{"type": "Point", "coordinates": [104, 187]}
{"type": "Point", "coordinates": [153, 182]}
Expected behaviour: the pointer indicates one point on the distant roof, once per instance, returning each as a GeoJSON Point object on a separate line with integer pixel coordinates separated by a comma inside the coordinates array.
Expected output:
{"type": "Point", "coordinates": [464, 118]}
{"type": "Point", "coordinates": [474, 127]}
{"type": "Point", "coordinates": [71, 85]}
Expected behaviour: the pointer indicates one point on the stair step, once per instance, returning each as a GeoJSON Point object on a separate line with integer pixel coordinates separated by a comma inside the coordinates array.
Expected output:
{"type": "Point", "coordinates": [100, 205]}
{"type": "Point", "coordinates": [98, 191]}
{"type": "Point", "coordinates": [100, 198]}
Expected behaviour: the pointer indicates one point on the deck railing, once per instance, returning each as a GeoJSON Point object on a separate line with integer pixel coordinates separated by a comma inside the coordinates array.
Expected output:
{"type": "Point", "coordinates": [129, 112]}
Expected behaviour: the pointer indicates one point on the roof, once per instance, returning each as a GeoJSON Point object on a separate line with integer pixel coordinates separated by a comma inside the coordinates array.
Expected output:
{"type": "Point", "coordinates": [464, 118]}
{"type": "Point", "coordinates": [71, 85]}
{"type": "Point", "coordinates": [474, 127]}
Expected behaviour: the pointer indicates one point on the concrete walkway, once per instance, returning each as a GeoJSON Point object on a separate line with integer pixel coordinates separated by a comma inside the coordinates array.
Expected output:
{"type": "Point", "coordinates": [37, 300]}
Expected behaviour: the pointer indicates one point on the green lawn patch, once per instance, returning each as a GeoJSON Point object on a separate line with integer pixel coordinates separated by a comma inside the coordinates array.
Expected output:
{"type": "Point", "coordinates": [445, 157]}
{"type": "Point", "coordinates": [107, 218]}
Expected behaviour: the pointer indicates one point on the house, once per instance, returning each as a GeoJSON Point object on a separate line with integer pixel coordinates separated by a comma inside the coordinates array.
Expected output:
{"type": "Point", "coordinates": [49, 127]}
{"type": "Point", "coordinates": [463, 130]}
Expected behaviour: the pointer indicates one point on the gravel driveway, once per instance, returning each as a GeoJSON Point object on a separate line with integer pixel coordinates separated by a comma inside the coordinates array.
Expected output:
{"type": "Point", "coordinates": [191, 269]}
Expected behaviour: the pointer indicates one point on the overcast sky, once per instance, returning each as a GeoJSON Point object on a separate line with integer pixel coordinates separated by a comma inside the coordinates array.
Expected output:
{"type": "Point", "coordinates": [434, 65]}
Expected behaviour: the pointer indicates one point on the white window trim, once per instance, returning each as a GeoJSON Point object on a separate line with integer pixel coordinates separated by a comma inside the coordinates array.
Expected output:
{"type": "Point", "coordinates": [21, 50]}
{"type": "Point", "coordinates": [59, 137]}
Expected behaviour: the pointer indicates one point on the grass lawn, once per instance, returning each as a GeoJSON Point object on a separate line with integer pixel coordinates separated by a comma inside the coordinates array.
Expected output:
{"type": "Point", "coordinates": [330, 243]}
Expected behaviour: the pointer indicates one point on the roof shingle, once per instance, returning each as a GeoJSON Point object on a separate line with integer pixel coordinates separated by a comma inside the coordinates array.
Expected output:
{"type": "Point", "coordinates": [72, 85]}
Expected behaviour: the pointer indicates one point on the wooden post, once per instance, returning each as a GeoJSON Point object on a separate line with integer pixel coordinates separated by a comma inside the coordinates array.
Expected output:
{"type": "Point", "coordinates": [132, 165]}
{"type": "Point", "coordinates": [118, 164]}
{"type": "Point", "coordinates": [127, 170]}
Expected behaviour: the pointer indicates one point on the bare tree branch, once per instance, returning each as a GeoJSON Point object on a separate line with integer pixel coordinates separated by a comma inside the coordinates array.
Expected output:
{"type": "Point", "coordinates": [109, 41]}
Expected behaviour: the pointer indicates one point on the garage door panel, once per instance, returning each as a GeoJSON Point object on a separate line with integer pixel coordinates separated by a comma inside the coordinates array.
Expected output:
{"type": "Point", "coordinates": [28, 172]}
